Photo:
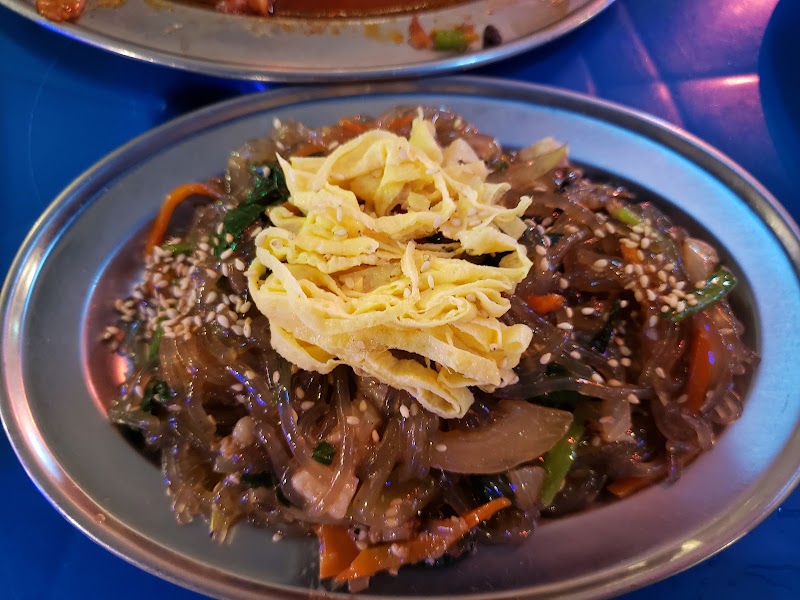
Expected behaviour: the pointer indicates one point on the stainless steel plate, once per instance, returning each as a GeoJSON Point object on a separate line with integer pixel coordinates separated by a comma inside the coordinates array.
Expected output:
{"type": "Point", "coordinates": [116, 496]}
{"type": "Point", "coordinates": [183, 36]}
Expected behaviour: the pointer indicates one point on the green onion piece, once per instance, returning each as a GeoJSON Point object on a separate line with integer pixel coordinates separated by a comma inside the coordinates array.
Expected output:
{"type": "Point", "coordinates": [451, 40]}
{"type": "Point", "coordinates": [155, 344]}
{"type": "Point", "coordinates": [182, 248]}
{"type": "Point", "coordinates": [155, 387]}
{"type": "Point", "coordinates": [626, 215]}
{"type": "Point", "coordinates": [324, 453]}
{"type": "Point", "coordinates": [716, 288]}
{"type": "Point", "coordinates": [260, 479]}
{"type": "Point", "coordinates": [559, 459]}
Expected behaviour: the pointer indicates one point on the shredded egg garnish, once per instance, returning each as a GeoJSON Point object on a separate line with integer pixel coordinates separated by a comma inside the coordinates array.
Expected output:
{"type": "Point", "coordinates": [351, 273]}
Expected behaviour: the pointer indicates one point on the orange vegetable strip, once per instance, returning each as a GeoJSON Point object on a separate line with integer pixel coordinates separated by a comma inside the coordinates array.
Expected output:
{"type": "Point", "coordinates": [545, 303]}
{"type": "Point", "coordinates": [429, 545]}
{"type": "Point", "coordinates": [311, 148]}
{"type": "Point", "coordinates": [700, 369]}
{"type": "Point", "coordinates": [399, 123]}
{"type": "Point", "coordinates": [336, 550]}
{"type": "Point", "coordinates": [175, 197]}
{"type": "Point", "coordinates": [629, 254]}
{"type": "Point", "coordinates": [353, 126]}
{"type": "Point", "coordinates": [622, 488]}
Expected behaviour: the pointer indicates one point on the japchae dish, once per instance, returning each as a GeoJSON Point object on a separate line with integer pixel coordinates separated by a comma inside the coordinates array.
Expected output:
{"type": "Point", "coordinates": [398, 336]}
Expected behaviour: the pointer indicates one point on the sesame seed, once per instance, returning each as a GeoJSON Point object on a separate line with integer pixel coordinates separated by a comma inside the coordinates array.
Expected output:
{"type": "Point", "coordinates": [414, 410]}
{"type": "Point", "coordinates": [626, 362]}
{"type": "Point", "coordinates": [628, 269]}
{"type": "Point", "coordinates": [652, 321]}
{"type": "Point", "coordinates": [544, 264]}
{"type": "Point", "coordinates": [563, 283]}
{"type": "Point", "coordinates": [406, 292]}
{"type": "Point", "coordinates": [665, 308]}
{"type": "Point", "coordinates": [614, 382]}
{"type": "Point", "coordinates": [660, 373]}
{"type": "Point", "coordinates": [699, 285]}
{"type": "Point", "coordinates": [565, 326]}
{"type": "Point", "coordinates": [625, 351]}
{"type": "Point", "coordinates": [645, 244]}
{"type": "Point", "coordinates": [224, 269]}
{"type": "Point", "coordinates": [632, 398]}
{"type": "Point", "coordinates": [575, 354]}
{"type": "Point", "coordinates": [541, 250]}
{"type": "Point", "coordinates": [425, 266]}
{"type": "Point", "coordinates": [610, 228]}
{"type": "Point", "coordinates": [639, 255]}
{"type": "Point", "coordinates": [237, 387]}
{"type": "Point", "coordinates": [681, 306]}
{"type": "Point", "coordinates": [223, 321]}
{"type": "Point", "coordinates": [607, 420]}
{"type": "Point", "coordinates": [651, 295]}
{"type": "Point", "coordinates": [249, 374]}
{"type": "Point", "coordinates": [340, 231]}
{"type": "Point", "coordinates": [227, 254]}
{"type": "Point", "coordinates": [587, 310]}
{"type": "Point", "coordinates": [613, 362]}
{"type": "Point", "coordinates": [237, 329]}
{"type": "Point", "coordinates": [600, 264]}
{"type": "Point", "coordinates": [597, 378]}
{"type": "Point", "coordinates": [569, 312]}
{"type": "Point", "coordinates": [545, 358]}
{"type": "Point", "coordinates": [644, 281]}
{"type": "Point", "coordinates": [353, 420]}
{"type": "Point", "coordinates": [339, 215]}
{"type": "Point", "coordinates": [635, 236]}
{"type": "Point", "coordinates": [404, 411]}
{"type": "Point", "coordinates": [441, 447]}
{"type": "Point", "coordinates": [430, 281]}
{"type": "Point", "coordinates": [471, 297]}
{"type": "Point", "coordinates": [277, 537]}
{"type": "Point", "coordinates": [456, 222]}
{"type": "Point", "coordinates": [375, 436]}
{"type": "Point", "coordinates": [623, 303]}
{"type": "Point", "coordinates": [682, 398]}
{"type": "Point", "coordinates": [300, 393]}
{"type": "Point", "coordinates": [239, 264]}
{"type": "Point", "coordinates": [362, 406]}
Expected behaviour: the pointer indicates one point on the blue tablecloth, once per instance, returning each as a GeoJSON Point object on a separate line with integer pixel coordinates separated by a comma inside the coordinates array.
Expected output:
{"type": "Point", "coordinates": [722, 69]}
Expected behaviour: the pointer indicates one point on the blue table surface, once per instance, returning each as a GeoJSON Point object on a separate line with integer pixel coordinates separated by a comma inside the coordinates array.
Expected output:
{"type": "Point", "coordinates": [725, 70]}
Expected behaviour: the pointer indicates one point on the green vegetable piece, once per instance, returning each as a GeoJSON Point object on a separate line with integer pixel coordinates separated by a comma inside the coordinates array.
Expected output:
{"type": "Point", "coordinates": [626, 215]}
{"type": "Point", "coordinates": [559, 459]}
{"type": "Point", "coordinates": [602, 338]}
{"type": "Point", "coordinates": [324, 453]}
{"type": "Point", "coordinates": [155, 392]}
{"type": "Point", "coordinates": [451, 40]}
{"type": "Point", "coordinates": [256, 480]}
{"type": "Point", "coordinates": [155, 345]}
{"type": "Point", "coordinates": [182, 248]}
{"type": "Point", "coordinates": [717, 287]}
{"type": "Point", "coordinates": [269, 188]}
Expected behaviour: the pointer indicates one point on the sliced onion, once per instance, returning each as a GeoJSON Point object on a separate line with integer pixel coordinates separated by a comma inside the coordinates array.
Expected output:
{"type": "Point", "coordinates": [527, 483]}
{"type": "Point", "coordinates": [520, 432]}
{"type": "Point", "coordinates": [700, 259]}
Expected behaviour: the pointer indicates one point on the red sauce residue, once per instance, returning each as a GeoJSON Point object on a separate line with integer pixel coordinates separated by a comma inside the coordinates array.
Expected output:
{"type": "Point", "coordinates": [323, 8]}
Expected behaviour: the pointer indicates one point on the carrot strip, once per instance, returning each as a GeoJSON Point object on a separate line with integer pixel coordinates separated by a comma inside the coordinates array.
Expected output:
{"type": "Point", "coordinates": [311, 148]}
{"type": "Point", "coordinates": [354, 127]}
{"type": "Point", "coordinates": [622, 488]}
{"type": "Point", "coordinates": [399, 123]}
{"type": "Point", "coordinates": [700, 370]}
{"type": "Point", "coordinates": [336, 550]}
{"type": "Point", "coordinates": [175, 197]}
{"type": "Point", "coordinates": [629, 254]}
{"type": "Point", "coordinates": [545, 303]}
{"type": "Point", "coordinates": [429, 545]}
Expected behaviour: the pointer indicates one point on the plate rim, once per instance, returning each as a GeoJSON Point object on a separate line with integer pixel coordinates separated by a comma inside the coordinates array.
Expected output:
{"type": "Point", "coordinates": [69, 204]}
{"type": "Point", "coordinates": [446, 64]}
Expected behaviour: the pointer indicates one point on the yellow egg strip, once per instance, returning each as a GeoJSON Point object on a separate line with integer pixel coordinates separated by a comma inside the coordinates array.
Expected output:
{"type": "Point", "coordinates": [345, 281]}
